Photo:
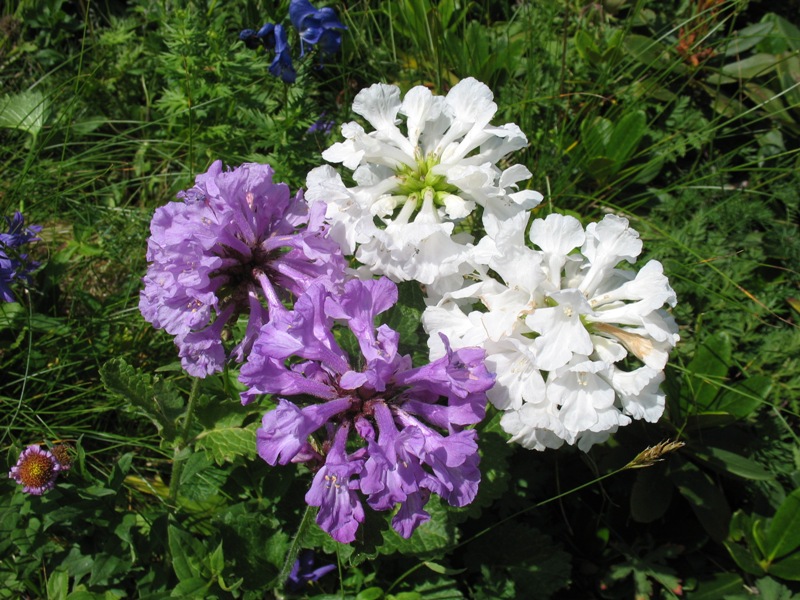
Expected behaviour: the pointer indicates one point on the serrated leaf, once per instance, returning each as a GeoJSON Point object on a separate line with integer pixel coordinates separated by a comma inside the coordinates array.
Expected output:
{"type": "Point", "coordinates": [783, 536]}
{"type": "Point", "coordinates": [161, 402]}
{"type": "Point", "coordinates": [227, 444]}
{"type": "Point", "coordinates": [429, 539]}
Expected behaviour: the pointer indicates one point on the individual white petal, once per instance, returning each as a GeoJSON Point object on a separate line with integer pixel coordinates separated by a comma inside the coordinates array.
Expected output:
{"type": "Point", "coordinates": [471, 101]}
{"type": "Point", "coordinates": [456, 207]}
{"type": "Point", "coordinates": [535, 430]}
{"type": "Point", "coordinates": [562, 333]}
{"type": "Point", "coordinates": [557, 236]}
{"type": "Point", "coordinates": [378, 104]}
{"type": "Point", "coordinates": [650, 284]}
{"type": "Point", "coordinates": [639, 392]}
{"type": "Point", "coordinates": [608, 243]}
{"type": "Point", "coordinates": [581, 393]}
{"type": "Point", "coordinates": [420, 106]}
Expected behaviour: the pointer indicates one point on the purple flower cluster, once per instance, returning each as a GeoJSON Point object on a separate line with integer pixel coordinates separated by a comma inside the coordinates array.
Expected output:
{"type": "Point", "coordinates": [236, 244]}
{"type": "Point", "coordinates": [373, 428]}
{"type": "Point", "coordinates": [15, 264]}
{"type": "Point", "coordinates": [316, 27]}
{"type": "Point", "coordinates": [383, 428]}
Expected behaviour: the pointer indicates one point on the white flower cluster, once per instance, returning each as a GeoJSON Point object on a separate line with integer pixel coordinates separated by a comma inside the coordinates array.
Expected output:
{"type": "Point", "coordinates": [559, 327]}
{"type": "Point", "coordinates": [414, 188]}
{"type": "Point", "coordinates": [578, 343]}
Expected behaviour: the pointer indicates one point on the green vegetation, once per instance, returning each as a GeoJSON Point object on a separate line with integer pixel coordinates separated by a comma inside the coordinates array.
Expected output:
{"type": "Point", "coordinates": [682, 116]}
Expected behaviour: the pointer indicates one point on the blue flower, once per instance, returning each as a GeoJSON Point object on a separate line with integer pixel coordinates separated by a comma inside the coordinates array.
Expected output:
{"type": "Point", "coordinates": [303, 571]}
{"type": "Point", "coordinates": [14, 264]}
{"type": "Point", "coordinates": [316, 26]}
{"type": "Point", "coordinates": [282, 65]}
{"type": "Point", "coordinates": [323, 125]}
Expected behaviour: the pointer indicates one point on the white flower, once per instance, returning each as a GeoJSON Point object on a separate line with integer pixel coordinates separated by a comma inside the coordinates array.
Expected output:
{"type": "Point", "coordinates": [418, 184]}
{"type": "Point", "coordinates": [562, 326]}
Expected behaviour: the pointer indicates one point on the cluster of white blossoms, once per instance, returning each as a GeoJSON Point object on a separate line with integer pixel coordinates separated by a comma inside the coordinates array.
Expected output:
{"type": "Point", "coordinates": [577, 340]}
{"type": "Point", "coordinates": [578, 344]}
{"type": "Point", "coordinates": [414, 188]}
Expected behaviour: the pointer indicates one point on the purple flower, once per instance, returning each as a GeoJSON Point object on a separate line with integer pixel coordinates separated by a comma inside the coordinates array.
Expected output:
{"type": "Point", "coordinates": [334, 491]}
{"type": "Point", "coordinates": [322, 125]}
{"type": "Point", "coordinates": [14, 264]}
{"type": "Point", "coordinates": [234, 245]}
{"type": "Point", "coordinates": [404, 425]}
{"type": "Point", "coordinates": [316, 26]}
{"type": "Point", "coordinates": [303, 571]}
{"type": "Point", "coordinates": [36, 470]}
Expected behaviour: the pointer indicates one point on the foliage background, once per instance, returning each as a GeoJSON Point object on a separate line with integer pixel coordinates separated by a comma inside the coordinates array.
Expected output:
{"type": "Point", "coordinates": [683, 115]}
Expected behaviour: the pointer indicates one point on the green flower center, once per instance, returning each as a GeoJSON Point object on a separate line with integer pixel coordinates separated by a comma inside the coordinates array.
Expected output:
{"type": "Point", "coordinates": [419, 181]}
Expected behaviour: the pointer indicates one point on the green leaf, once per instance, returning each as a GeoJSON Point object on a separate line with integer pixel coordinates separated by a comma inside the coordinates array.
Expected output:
{"type": "Point", "coordinates": [437, 568]}
{"type": "Point", "coordinates": [651, 494]}
{"type": "Point", "coordinates": [744, 397]}
{"type": "Point", "coordinates": [748, 37]}
{"type": "Point", "coordinates": [708, 369]}
{"type": "Point", "coordinates": [788, 568]}
{"type": "Point", "coordinates": [595, 136]}
{"type": "Point", "coordinates": [193, 587]}
{"type": "Point", "coordinates": [783, 536]}
{"type": "Point", "coordinates": [159, 401]}
{"type": "Point", "coordinates": [107, 567]}
{"type": "Point", "coordinates": [752, 66]}
{"type": "Point", "coordinates": [371, 593]}
{"type": "Point", "coordinates": [429, 539]}
{"type": "Point", "coordinates": [729, 462]}
{"type": "Point", "coordinates": [705, 499]}
{"type": "Point", "coordinates": [25, 111]}
{"type": "Point", "coordinates": [227, 444]}
{"type": "Point", "coordinates": [743, 558]}
{"type": "Point", "coordinates": [587, 48]}
{"type": "Point", "coordinates": [717, 587]}
{"type": "Point", "coordinates": [57, 585]}
{"type": "Point", "coordinates": [186, 552]}
{"type": "Point", "coordinates": [627, 134]}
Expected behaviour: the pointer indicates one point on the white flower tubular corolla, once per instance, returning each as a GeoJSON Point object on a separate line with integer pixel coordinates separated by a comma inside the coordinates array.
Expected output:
{"type": "Point", "coordinates": [578, 344]}
{"type": "Point", "coordinates": [430, 162]}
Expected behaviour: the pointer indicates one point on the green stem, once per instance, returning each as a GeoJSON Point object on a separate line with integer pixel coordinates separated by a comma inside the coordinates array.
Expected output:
{"type": "Point", "coordinates": [294, 548]}
{"type": "Point", "coordinates": [178, 459]}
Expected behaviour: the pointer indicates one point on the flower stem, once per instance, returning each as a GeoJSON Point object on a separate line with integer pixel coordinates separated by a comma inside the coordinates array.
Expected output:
{"type": "Point", "coordinates": [294, 548]}
{"type": "Point", "coordinates": [178, 457]}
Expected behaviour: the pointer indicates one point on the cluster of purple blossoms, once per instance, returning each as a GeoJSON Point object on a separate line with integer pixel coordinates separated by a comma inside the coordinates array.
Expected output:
{"type": "Point", "coordinates": [37, 469]}
{"type": "Point", "coordinates": [316, 27]}
{"type": "Point", "coordinates": [15, 264]}
{"type": "Point", "coordinates": [370, 427]}
{"type": "Point", "coordinates": [236, 244]}
{"type": "Point", "coordinates": [377, 426]}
